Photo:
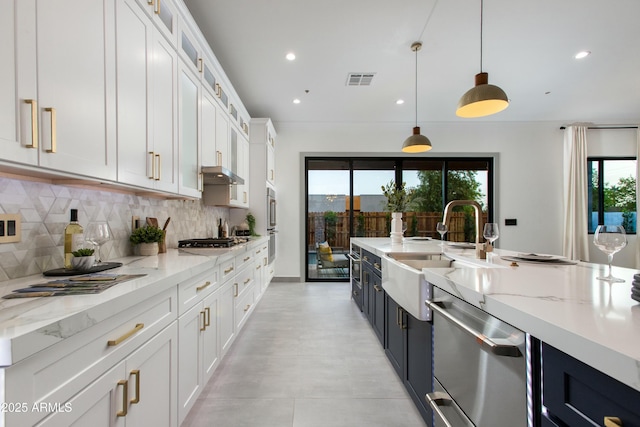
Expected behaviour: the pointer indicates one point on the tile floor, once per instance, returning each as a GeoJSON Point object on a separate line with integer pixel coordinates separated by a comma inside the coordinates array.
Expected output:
{"type": "Point", "coordinates": [306, 357]}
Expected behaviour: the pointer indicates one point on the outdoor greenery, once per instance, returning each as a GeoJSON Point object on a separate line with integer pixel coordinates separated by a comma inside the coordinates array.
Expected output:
{"type": "Point", "coordinates": [620, 197]}
{"type": "Point", "coordinates": [147, 234]}
{"type": "Point", "coordinates": [330, 221]}
{"type": "Point", "coordinates": [462, 185]}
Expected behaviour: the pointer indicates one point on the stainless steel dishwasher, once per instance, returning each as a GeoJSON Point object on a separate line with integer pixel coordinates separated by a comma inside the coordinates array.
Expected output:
{"type": "Point", "coordinates": [479, 366]}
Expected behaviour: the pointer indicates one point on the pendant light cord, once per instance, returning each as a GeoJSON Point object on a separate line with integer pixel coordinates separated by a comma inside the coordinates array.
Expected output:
{"type": "Point", "coordinates": [417, 49]}
{"type": "Point", "coordinates": [481, 21]}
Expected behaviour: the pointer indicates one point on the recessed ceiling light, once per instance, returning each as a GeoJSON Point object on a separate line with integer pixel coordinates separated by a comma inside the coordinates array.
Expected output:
{"type": "Point", "coordinates": [291, 56]}
{"type": "Point", "coordinates": [296, 101]}
{"type": "Point", "coordinates": [400, 101]}
{"type": "Point", "coordinates": [582, 54]}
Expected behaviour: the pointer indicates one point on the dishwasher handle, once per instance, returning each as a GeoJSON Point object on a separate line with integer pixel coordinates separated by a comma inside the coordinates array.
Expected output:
{"type": "Point", "coordinates": [483, 340]}
{"type": "Point", "coordinates": [439, 399]}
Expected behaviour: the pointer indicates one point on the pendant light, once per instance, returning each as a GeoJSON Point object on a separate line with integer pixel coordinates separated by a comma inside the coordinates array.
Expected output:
{"type": "Point", "coordinates": [483, 99]}
{"type": "Point", "coordinates": [416, 143]}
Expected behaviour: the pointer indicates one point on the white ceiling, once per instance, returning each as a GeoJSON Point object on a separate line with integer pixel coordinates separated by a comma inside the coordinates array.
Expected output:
{"type": "Point", "coordinates": [528, 51]}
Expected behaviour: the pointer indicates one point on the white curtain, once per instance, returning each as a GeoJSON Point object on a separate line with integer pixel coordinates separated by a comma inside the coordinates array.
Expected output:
{"type": "Point", "coordinates": [637, 194]}
{"type": "Point", "coordinates": [576, 239]}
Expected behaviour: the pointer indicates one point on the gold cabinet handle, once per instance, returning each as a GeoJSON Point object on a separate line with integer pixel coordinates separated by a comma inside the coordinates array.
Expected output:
{"type": "Point", "coordinates": [207, 321]}
{"type": "Point", "coordinates": [377, 288]}
{"type": "Point", "coordinates": [245, 197]}
{"type": "Point", "coordinates": [200, 182]}
{"type": "Point", "coordinates": [125, 398]}
{"type": "Point", "coordinates": [265, 261]}
{"type": "Point", "coordinates": [53, 129]}
{"type": "Point", "coordinates": [150, 2]}
{"type": "Point", "coordinates": [247, 307]}
{"type": "Point", "coordinates": [247, 281]}
{"type": "Point", "coordinates": [112, 343]}
{"type": "Point", "coordinates": [246, 259]}
{"type": "Point", "coordinates": [235, 294]}
{"type": "Point", "coordinates": [204, 321]}
{"type": "Point", "coordinates": [218, 90]}
{"type": "Point", "coordinates": [206, 284]}
{"type": "Point", "coordinates": [34, 122]}
{"type": "Point", "coordinates": [228, 270]}
{"type": "Point", "coordinates": [159, 168]}
{"type": "Point", "coordinates": [153, 165]}
{"type": "Point", "coordinates": [272, 174]}
{"type": "Point", "coordinates": [136, 399]}
{"type": "Point", "coordinates": [219, 157]}
{"type": "Point", "coordinates": [258, 267]}
{"type": "Point", "coordinates": [200, 65]}
{"type": "Point", "coordinates": [612, 422]}
{"type": "Point", "coordinates": [158, 8]}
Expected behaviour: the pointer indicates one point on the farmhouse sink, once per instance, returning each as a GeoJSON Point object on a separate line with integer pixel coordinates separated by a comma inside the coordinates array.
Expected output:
{"type": "Point", "coordinates": [403, 280]}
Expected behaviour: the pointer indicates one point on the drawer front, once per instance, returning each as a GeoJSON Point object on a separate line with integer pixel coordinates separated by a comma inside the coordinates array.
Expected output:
{"type": "Point", "coordinates": [244, 260]}
{"type": "Point", "coordinates": [580, 395]}
{"type": "Point", "coordinates": [243, 281]}
{"type": "Point", "coordinates": [194, 290]}
{"type": "Point", "coordinates": [61, 371]}
{"type": "Point", "coordinates": [227, 269]}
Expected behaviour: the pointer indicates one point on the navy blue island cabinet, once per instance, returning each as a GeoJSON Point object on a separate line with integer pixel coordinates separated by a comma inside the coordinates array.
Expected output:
{"type": "Point", "coordinates": [575, 394]}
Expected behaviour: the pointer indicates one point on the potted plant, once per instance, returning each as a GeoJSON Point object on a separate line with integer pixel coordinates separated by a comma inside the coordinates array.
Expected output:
{"type": "Point", "coordinates": [147, 238]}
{"type": "Point", "coordinates": [83, 259]}
{"type": "Point", "coordinates": [398, 200]}
{"type": "Point", "coordinates": [251, 222]}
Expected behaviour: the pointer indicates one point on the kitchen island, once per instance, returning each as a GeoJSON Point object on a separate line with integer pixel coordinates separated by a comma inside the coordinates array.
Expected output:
{"type": "Point", "coordinates": [561, 305]}
{"type": "Point", "coordinates": [142, 349]}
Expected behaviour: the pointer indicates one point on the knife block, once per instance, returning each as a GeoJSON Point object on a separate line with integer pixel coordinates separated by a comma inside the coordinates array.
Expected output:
{"type": "Point", "coordinates": [162, 246]}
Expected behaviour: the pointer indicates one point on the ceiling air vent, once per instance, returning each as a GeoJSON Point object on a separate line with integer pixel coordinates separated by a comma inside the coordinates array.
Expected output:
{"type": "Point", "coordinates": [360, 79]}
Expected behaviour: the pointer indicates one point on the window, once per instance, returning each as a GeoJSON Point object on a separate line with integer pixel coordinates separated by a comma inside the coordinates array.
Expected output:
{"type": "Point", "coordinates": [612, 192]}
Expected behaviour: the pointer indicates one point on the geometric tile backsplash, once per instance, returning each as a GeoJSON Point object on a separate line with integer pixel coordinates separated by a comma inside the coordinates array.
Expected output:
{"type": "Point", "coordinates": [45, 208]}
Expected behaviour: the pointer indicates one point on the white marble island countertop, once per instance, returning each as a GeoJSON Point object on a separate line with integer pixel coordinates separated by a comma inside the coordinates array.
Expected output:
{"type": "Point", "coordinates": [563, 305]}
{"type": "Point", "coordinates": [29, 325]}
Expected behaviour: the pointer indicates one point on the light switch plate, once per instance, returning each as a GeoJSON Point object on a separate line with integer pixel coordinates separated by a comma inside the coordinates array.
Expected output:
{"type": "Point", "coordinates": [10, 228]}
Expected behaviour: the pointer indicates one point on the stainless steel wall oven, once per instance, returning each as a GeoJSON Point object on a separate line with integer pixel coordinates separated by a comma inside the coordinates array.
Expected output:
{"type": "Point", "coordinates": [356, 275]}
{"type": "Point", "coordinates": [271, 209]}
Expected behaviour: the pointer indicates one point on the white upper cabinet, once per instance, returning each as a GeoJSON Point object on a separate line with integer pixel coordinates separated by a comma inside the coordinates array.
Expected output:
{"type": "Point", "coordinates": [263, 135]}
{"type": "Point", "coordinates": [223, 143]}
{"type": "Point", "coordinates": [208, 115]}
{"type": "Point", "coordinates": [165, 16]}
{"type": "Point", "coordinates": [189, 176]}
{"type": "Point", "coordinates": [147, 91]}
{"type": "Point", "coordinates": [65, 83]}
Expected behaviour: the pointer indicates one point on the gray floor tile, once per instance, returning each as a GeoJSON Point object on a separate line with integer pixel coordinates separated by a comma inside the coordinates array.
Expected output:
{"type": "Point", "coordinates": [306, 357]}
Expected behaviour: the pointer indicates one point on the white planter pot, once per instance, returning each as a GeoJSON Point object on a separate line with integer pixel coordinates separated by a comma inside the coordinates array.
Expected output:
{"type": "Point", "coordinates": [83, 263]}
{"type": "Point", "coordinates": [396, 227]}
{"type": "Point", "coordinates": [148, 249]}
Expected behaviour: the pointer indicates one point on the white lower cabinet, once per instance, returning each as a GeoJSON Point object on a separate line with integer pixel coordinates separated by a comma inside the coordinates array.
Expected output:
{"type": "Point", "coordinates": [137, 391]}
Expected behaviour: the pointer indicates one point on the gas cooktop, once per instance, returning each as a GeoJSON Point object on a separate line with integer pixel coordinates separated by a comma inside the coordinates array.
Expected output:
{"type": "Point", "coordinates": [212, 242]}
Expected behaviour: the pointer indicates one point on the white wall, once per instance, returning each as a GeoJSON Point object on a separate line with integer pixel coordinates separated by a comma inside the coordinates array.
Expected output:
{"type": "Point", "coordinates": [528, 172]}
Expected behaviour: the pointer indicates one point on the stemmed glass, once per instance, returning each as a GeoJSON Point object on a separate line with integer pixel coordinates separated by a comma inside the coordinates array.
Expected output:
{"type": "Point", "coordinates": [610, 239]}
{"type": "Point", "coordinates": [442, 229]}
{"type": "Point", "coordinates": [98, 233]}
{"type": "Point", "coordinates": [491, 233]}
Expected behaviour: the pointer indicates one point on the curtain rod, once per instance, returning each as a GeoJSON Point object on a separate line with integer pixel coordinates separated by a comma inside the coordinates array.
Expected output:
{"type": "Point", "coordinates": [606, 127]}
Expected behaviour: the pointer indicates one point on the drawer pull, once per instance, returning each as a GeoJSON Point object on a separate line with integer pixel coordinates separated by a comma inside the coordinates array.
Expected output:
{"type": "Point", "coordinates": [483, 340]}
{"type": "Point", "coordinates": [612, 422]}
{"type": "Point", "coordinates": [235, 294]}
{"type": "Point", "coordinates": [125, 398]}
{"type": "Point", "coordinates": [228, 270]}
{"type": "Point", "coordinates": [34, 122]}
{"type": "Point", "coordinates": [258, 251]}
{"type": "Point", "coordinates": [207, 321]}
{"type": "Point", "coordinates": [136, 399]}
{"type": "Point", "coordinates": [377, 288]}
{"type": "Point", "coordinates": [258, 267]}
{"type": "Point", "coordinates": [206, 284]}
{"type": "Point", "coordinates": [247, 281]}
{"type": "Point", "coordinates": [118, 340]}
{"type": "Point", "coordinates": [247, 307]}
{"type": "Point", "coordinates": [246, 259]}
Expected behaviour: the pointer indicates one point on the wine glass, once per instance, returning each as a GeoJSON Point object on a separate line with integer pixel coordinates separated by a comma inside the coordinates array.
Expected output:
{"type": "Point", "coordinates": [98, 233]}
{"type": "Point", "coordinates": [491, 233]}
{"type": "Point", "coordinates": [610, 239]}
{"type": "Point", "coordinates": [442, 229]}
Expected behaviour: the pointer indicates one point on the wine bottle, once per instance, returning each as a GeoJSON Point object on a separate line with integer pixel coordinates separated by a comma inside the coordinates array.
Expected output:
{"type": "Point", "coordinates": [220, 229]}
{"type": "Point", "coordinates": [73, 238]}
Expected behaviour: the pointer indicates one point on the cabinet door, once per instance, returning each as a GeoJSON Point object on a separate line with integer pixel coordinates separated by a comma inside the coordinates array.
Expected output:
{"type": "Point", "coordinates": [226, 308]}
{"type": "Point", "coordinates": [233, 155]}
{"type": "Point", "coordinates": [271, 165]}
{"type": "Point", "coordinates": [134, 32]}
{"type": "Point", "coordinates": [240, 192]}
{"type": "Point", "coordinates": [161, 161]}
{"type": "Point", "coordinates": [152, 375]}
{"type": "Point", "coordinates": [165, 16]}
{"type": "Point", "coordinates": [96, 405]}
{"type": "Point", "coordinates": [75, 53]}
{"type": "Point", "coordinates": [378, 315]}
{"type": "Point", "coordinates": [190, 383]}
{"type": "Point", "coordinates": [208, 129]}
{"type": "Point", "coordinates": [188, 123]}
{"type": "Point", "coordinates": [222, 139]}
{"type": "Point", "coordinates": [16, 117]}
{"type": "Point", "coordinates": [394, 326]}
{"type": "Point", "coordinates": [418, 362]}
{"type": "Point", "coordinates": [210, 341]}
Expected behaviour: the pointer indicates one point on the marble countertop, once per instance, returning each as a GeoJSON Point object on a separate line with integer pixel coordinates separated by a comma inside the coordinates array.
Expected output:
{"type": "Point", "coordinates": [563, 305]}
{"type": "Point", "coordinates": [29, 325]}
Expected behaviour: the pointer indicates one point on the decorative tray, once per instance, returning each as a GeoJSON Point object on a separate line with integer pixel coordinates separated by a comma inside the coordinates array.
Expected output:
{"type": "Point", "coordinates": [95, 269]}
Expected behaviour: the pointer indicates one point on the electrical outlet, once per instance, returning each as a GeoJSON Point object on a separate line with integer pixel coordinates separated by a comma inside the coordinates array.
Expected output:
{"type": "Point", "coordinates": [10, 228]}
{"type": "Point", "coordinates": [135, 222]}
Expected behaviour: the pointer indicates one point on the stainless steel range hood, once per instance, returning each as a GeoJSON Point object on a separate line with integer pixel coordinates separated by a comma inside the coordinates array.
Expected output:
{"type": "Point", "coordinates": [218, 175]}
